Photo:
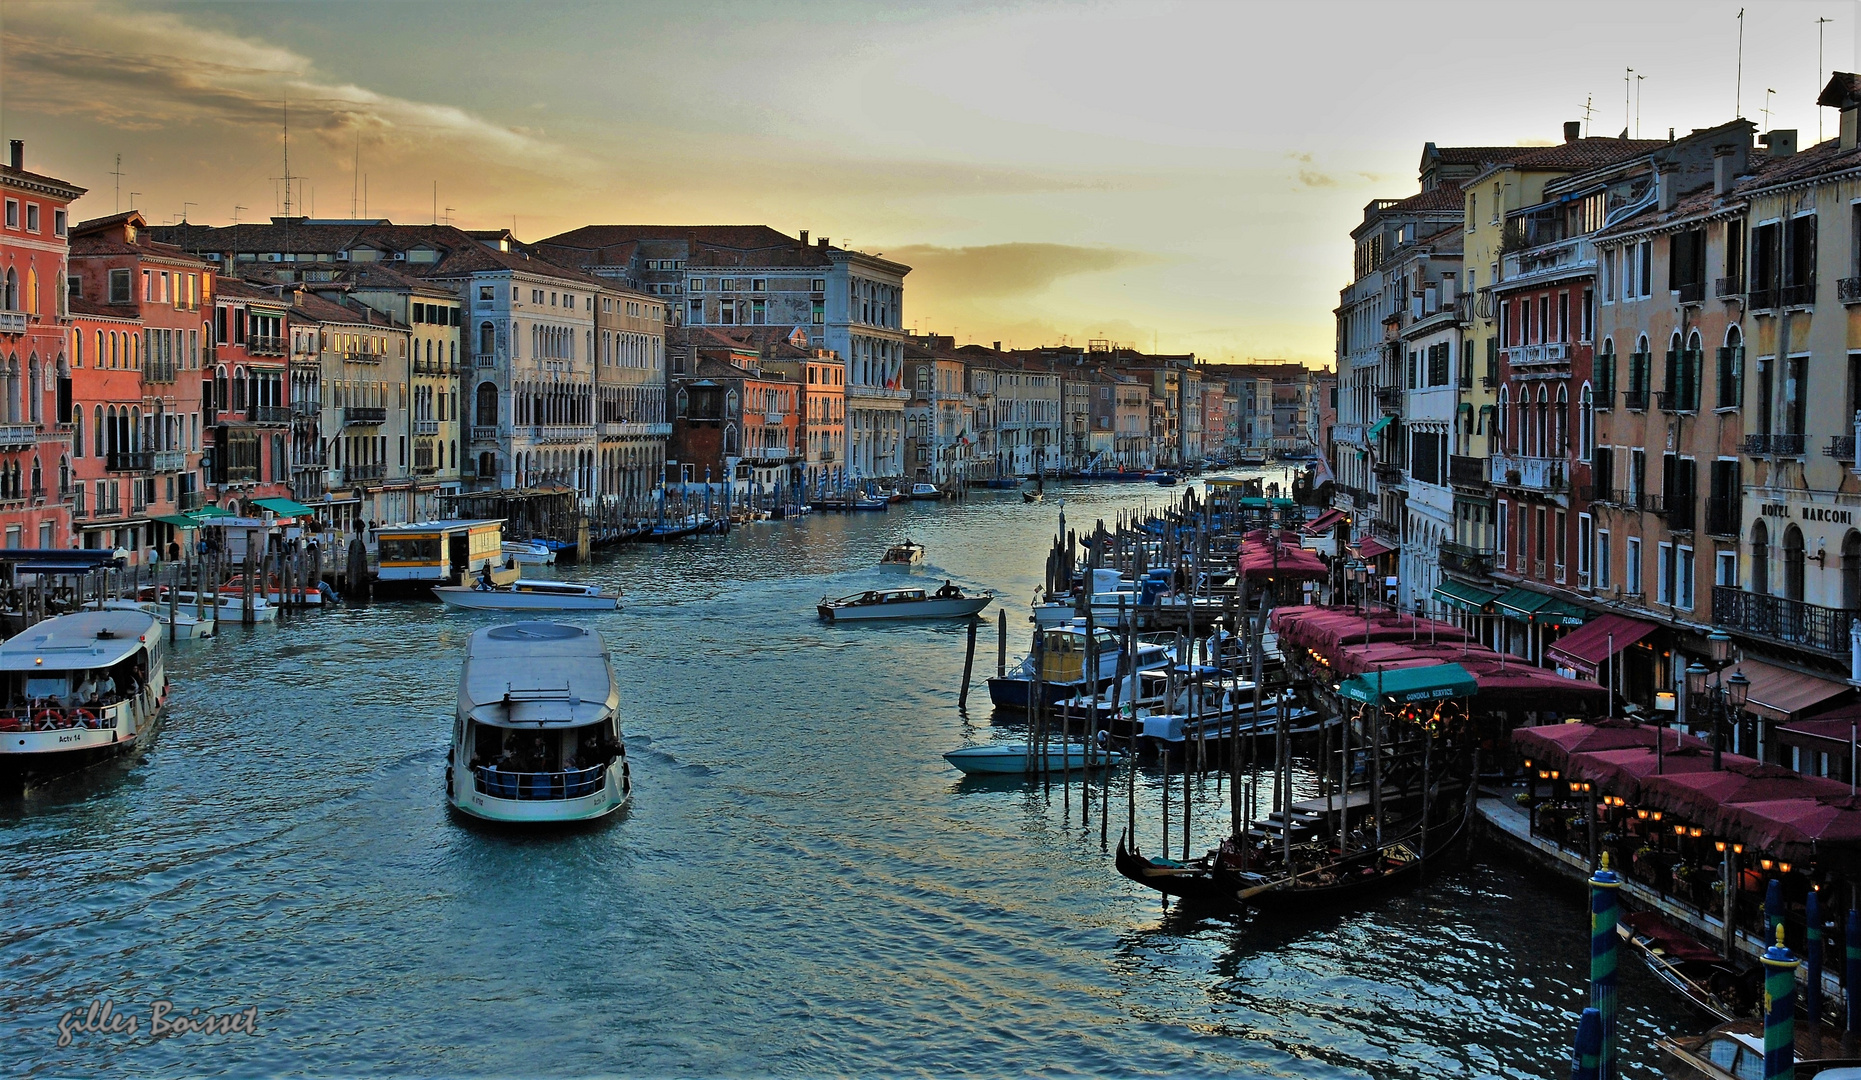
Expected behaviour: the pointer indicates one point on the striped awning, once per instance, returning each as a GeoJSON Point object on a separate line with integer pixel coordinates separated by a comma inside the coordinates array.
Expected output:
{"type": "Point", "coordinates": [1464, 597]}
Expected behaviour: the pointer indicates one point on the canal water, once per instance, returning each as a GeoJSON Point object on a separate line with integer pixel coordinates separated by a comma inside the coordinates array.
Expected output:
{"type": "Point", "coordinates": [802, 886]}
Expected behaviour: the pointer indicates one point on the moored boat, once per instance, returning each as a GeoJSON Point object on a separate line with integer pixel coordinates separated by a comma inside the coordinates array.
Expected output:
{"type": "Point", "coordinates": [1013, 759]}
{"type": "Point", "coordinates": [528, 552]}
{"type": "Point", "coordinates": [948, 602]}
{"type": "Point", "coordinates": [536, 738]}
{"type": "Point", "coordinates": [185, 626]}
{"type": "Point", "coordinates": [77, 690]}
{"type": "Point", "coordinates": [926, 492]}
{"type": "Point", "coordinates": [904, 555]}
{"type": "Point", "coordinates": [527, 595]}
{"type": "Point", "coordinates": [1165, 479]}
{"type": "Point", "coordinates": [1056, 665]}
{"type": "Point", "coordinates": [231, 609]}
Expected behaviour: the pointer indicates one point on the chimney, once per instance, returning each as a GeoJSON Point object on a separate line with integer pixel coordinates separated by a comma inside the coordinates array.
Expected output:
{"type": "Point", "coordinates": [823, 241]}
{"type": "Point", "coordinates": [1573, 130]}
{"type": "Point", "coordinates": [17, 155]}
{"type": "Point", "coordinates": [804, 238]}
{"type": "Point", "coordinates": [998, 346]}
{"type": "Point", "coordinates": [1664, 194]}
{"type": "Point", "coordinates": [1851, 120]}
{"type": "Point", "coordinates": [1724, 168]}
{"type": "Point", "coordinates": [1780, 142]}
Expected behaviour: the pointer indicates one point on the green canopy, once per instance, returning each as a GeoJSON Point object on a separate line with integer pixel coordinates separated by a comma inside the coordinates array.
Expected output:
{"type": "Point", "coordinates": [1253, 502]}
{"type": "Point", "coordinates": [179, 521]}
{"type": "Point", "coordinates": [284, 507]}
{"type": "Point", "coordinates": [1537, 607]}
{"type": "Point", "coordinates": [1463, 596]}
{"type": "Point", "coordinates": [1406, 685]}
{"type": "Point", "coordinates": [211, 510]}
{"type": "Point", "coordinates": [1377, 428]}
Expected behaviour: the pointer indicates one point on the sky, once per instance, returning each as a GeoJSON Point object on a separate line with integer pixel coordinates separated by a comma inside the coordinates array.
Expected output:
{"type": "Point", "coordinates": [1180, 176]}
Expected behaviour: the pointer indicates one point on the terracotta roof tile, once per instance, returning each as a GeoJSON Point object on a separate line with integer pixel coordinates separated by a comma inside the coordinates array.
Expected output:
{"type": "Point", "coordinates": [1586, 153]}
{"type": "Point", "coordinates": [723, 246]}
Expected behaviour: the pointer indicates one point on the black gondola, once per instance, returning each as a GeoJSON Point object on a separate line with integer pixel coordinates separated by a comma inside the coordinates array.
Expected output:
{"type": "Point", "coordinates": [1350, 877]}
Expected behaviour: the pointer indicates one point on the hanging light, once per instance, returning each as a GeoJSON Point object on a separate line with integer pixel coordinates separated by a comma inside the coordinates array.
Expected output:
{"type": "Point", "coordinates": [1719, 643]}
{"type": "Point", "coordinates": [1642, 813]}
{"type": "Point", "coordinates": [1738, 691]}
{"type": "Point", "coordinates": [1544, 774]}
{"type": "Point", "coordinates": [1695, 832]}
{"type": "Point", "coordinates": [1696, 679]}
{"type": "Point", "coordinates": [1680, 830]}
{"type": "Point", "coordinates": [1738, 849]}
{"type": "Point", "coordinates": [1719, 846]}
{"type": "Point", "coordinates": [1784, 866]}
{"type": "Point", "coordinates": [1765, 863]}
{"type": "Point", "coordinates": [1656, 815]}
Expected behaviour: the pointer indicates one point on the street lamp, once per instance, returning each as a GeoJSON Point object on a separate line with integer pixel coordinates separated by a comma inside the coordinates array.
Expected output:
{"type": "Point", "coordinates": [1725, 697]}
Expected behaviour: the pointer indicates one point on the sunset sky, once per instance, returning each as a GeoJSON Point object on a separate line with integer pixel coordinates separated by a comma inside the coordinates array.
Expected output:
{"type": "Point", "coordinates": [1181, 175]}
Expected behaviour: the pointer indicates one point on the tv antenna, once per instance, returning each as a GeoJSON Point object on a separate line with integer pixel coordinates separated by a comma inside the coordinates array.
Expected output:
{"type": "Point", "coordinates": [1766, 110]}
{"type": "Point", "coordinates": [287, 178]}
{"type": "Point", "coordinates": [118, 173]}
{"type": "Point", "coordinates": [132, 199]}
{"type": "Point", "coordinates": [1588, 100]}
{"type": "Point", "coordinates": [1820, 23]}
{"type": "Point", "coordinates": [1638, 79]}
{"type": "Point", "coordinates": [1738, 86]}
{"type": "Point", "coordinates": [1627, 74]}
{"type": "Point", "coordinates": [355, 173]}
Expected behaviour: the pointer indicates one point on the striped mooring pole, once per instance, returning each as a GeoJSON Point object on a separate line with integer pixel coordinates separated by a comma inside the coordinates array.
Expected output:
{"type": "Point", "coordinates": [1586, 1058]}
{"type": "Point", "coordinates": [1604, 912]}
{"type": "Point", "coordinates": [1812, 958]}
{"type": "Point", "coordinates": [1779, 1011]}
{"type": "Point", "coordinates": [1851, 942]}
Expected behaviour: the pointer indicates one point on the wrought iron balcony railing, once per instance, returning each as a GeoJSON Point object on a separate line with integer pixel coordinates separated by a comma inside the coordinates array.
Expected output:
{"type": "Point", "coordinates": [354, 415]}
{"type": "Point", "coordinates": [1787, 622]}
{"type": "Point", "coordinates": [1773, 445]}
{"type": "Point", "coordinates": [1841, 447]}
{"type": "Point", "coordinates": [1466, 471]}
{"type": "Point", "coordinates": [1722, 516]}
{"type": "Point", "coordinates": [1462, 559]}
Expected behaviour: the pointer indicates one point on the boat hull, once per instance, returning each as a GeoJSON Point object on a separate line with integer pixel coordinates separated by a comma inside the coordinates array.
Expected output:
{"type": "Point", "coordinates": [613, 795]}
{"type": "Point", "coordinates": [466, 596]}
{"type": "Point", "coordinates": [1012, 759]}
{"type": "Point", "coordinates": [920, 609]}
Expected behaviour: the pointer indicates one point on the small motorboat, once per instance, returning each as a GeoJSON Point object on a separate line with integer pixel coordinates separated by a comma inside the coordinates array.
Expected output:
{"type": "Point", "coordinates": [560, 547]}
{"type": "Point", "coordinates": [309, 593]}
{"type": "Point", "coordinates": [903, 556]}
{"type": "Point", "coordinates": [185, 626]}
{"type": "Point", "coordinates": [231, 608]}
{"type": "Point", "coordinates": [949, 602]}
{"type": "Point", "coordinates": [523, 595]}
{"type": "Point", "coordinates": [529, 552]}
{"type": "Point", "coordinates": [925, 493]}
{"type": "Point", "coordinates": [1163, 479]}
{"type": "Point", "coordinates": [1012, 759]}
{"type": "Point", "coordinates": [870, 502]}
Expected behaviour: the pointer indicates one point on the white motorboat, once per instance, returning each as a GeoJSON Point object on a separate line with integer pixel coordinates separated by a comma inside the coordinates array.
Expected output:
{"type": "Point", "coordinates": [903, 556]}
{"type": "Point", "coordinates": [528, 552]}
{"type": "Point", "coordinates": [232, 605]}
{"type": "Point", "coordinates": [1011, 759]}
{"type": "Point", "coordinates": [185, 627]}
{"type": "Point", "coordinates": [537, 734]}
{"type": "Point", "coordinates": [77, 690]}
{"type": "Point", "coordinates": [527, 595]}
{"type": "Point", "coordinates": [926, 492]}
{"type": "Point", "coordinates": [948, 602]}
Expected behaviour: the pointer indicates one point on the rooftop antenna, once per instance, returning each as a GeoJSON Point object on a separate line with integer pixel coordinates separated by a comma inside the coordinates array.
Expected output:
{"type": "Point", "coordinates": [118, 173]}
{"type": "Point", "coordinates": [184, 207]}
{"type": "Point", "coordinates": [232, 266]}
{"type": "Point", "coordinates": [1627, 73]}
{"type": "Point", "coordinates": [132, 199]}
{"type": "Point", "coordinates": [436, 202]}
{"type": "Point", "coordinates": [1638, 79]}
{"type": "Point", "coordinates": [449, 211]}
{"type": "Point", "coordinates": [1766, 110]}
{"type": "Point", "coordinates": [1738, 87]}
{"type": "Point", "coordinates": [287, 157]}
{"type": "Point", "coordinates": [364, 194]}
{"type": "Point", "coordinates": [1588, 109]}
{"type": "Point", "coordinates": [1820, 23]}
{"type": "Point", "coordinates": [355, 173]}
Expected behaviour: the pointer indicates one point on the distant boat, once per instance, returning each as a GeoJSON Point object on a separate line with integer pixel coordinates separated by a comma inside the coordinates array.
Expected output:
{"type": "Point", "coordinates": [1003, 483]}
{"type": "Point", "coordinates": [949, 602]}
{"type": "Point", "coordinates": [185, 626]}
{"type": "Point", "coordinates": [870, 502]}
{"type": "Point", "coordinates": [1011, 759]}
{"type": "Point", "coordinates": [529, 596]}
{"type": "Point", "coordinates": [528, 552]}
{"type": "Point", "coordinates": [1165, 479]}
{"type": "Point", "coordinates": [903, 556]}
{"type": "Point", "coordinates": [1032, 496]}
{"type": "Point", "coordinates": [925, 492]}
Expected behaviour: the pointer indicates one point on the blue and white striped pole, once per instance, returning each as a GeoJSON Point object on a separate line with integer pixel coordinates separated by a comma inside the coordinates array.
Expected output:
{"type": "Point", "coordinates": [1604, 913]}
{"type": "Point", "coordinates": [1586, 1058]}
{"type": "Point", "coordinates": [1779, 1011]}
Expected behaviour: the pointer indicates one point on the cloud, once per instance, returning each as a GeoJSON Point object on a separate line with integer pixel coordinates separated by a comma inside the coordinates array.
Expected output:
{"type": "Point", "coordinates": [1314, 178]}
{"type": "Point", "coordinates": [999, 271]}
{"type": "Point", "coordinates": [142, 70]}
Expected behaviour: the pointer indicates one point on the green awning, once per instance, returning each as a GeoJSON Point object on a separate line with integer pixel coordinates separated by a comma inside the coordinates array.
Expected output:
{"type": "Point", "coordinates": [1465, 597]}
{"type": "Point", "coordinates": [1284, 504]}
{"type": "Point", "coordinates": [179, 521]}
{"type": "Point", "coordinates": [1537, 607]}
{"type": "Point", "coordinates": [1377, 428]}
{"type": "Point", "coordinates": [1407, 685]}
{"type": "Point", "coordinates": [1253, 502]}
{"type": "Point", "coordinates": [284, 507]}
{"type": "Point", "coordinates": [211, 510]}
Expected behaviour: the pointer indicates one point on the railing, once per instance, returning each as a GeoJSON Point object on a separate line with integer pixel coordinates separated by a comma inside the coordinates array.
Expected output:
{"type": "Point", "coordinates": [484, 432]}
{"type": "Point", "coordinates": [190, 500]}
{"type": "Point", "coordinates": [168, 461]}
{"type": "Point", "coordinates": [12, 322]}
{"type": "Point", "coordinates": [562, 433]}
{"type": "Point", "coordinates": [426, 427]}
{"type": "Point", "coordinates": [1674, 401]}
{"type": "Point", "coordinates": [306, 408]}
{"type": "Point", "coordinates": [1761, 299]}
{"type": "Point", "coordinates": [1722, 516]}
{"type": "Point", "coordinates": [1531, 473]}
{"type": "Point", "coordinates": [1389, 398]}
{"type": "Point", "coordinates": [128, 461]}
{"type": "Point", "coordinates": [769, 453]}
{"type": "Point", "coordinates": [363, 415]}
{"type": "Point", "coordinates": [1466, 471]}
{"type": "Point", "coordinates": [485, 361]}
{"type": "Point", "coordinates": [827, 455]}
{"type": "Point", "coordinates": [1389, 474]}
{"type": "Point", "coordinates": [1635, 399]}
{"type": "Point", "coordinates": [1841, 447]}
{"type": "Point", "coordinates": [18, 435]}
{"type": "Point", "coordinates": [1678, 510]}
{"type": "Point", "coordinates": [1788, 622]}
{"type": "Point", "coordinates": [538, 786]}
{"type": "Point", "coordinates": [1597, 494]}
{"type": "Point", "coordinates": [1848, 290]}
{"type": "Point", "coordinates": [1462, 559]}
{"type": "Point", "coordinates": [1603, 398]}
{"type": "Point", "coordinates": [1727, 287]}
{"type": "Point", "coordinates": [356, 474]}
{"type": "Point", "coordinates": [1774, 445]}
{"type": "Point", "coordinates": [361, 358]}
{"type": "Point", "coordinates": [266, 345]}
{"type": "Point", "coordinates": [268, 414]}
{"type": "Point", "coordinates": [1801, 295]}
{"type": "Point", "coordinates": [1552, 352]}
{"type": "Point", "coordinates": [241, 474]}
{"type": "Point", "coordinates": [1386, 530]}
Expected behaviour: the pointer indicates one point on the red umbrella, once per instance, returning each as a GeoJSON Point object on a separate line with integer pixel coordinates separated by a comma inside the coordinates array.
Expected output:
{"type": "Point", "coordinates": [1629, 771]}
{"type": "Point", "coordinates": [1801, 829]}
{"type": "Point", "coordinates": [1704, 798]}
{"type": "Point", "coordinates": [1550, 745]}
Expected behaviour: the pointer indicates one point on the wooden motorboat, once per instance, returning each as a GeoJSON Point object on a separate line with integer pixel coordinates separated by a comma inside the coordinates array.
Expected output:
{"type": "Point", "coordinates": [1735, 1051]}
{"type": "Point", "coordinates": [1056, 665]}
{"type": "Point", "coordinates": [904, 555]}
{"type": "Point", "coordinates": [1012, 759]}
{"type": "Point", "coordinates": [524, 595]}
{"type": "Point", "coordinates": [948, 602]}
{"type": "Point", "coordinates": [1032, 496]}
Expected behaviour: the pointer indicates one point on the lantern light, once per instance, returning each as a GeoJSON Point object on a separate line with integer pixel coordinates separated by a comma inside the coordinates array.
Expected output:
{"type": "Point", "coordinates": [1738, 849]}
{"type": "Point", "coordinates": [1544, 774]}
{"type": "Point", "coordinates": [1656, 815]}
{"type": "Point", "coordinates": [1680, 830]}
{"type": "Point", "coordinates": [1720, 644]}
{"type": "Point", "coordinates": [1696, 678]}
{"type": "Point", "coordinates": [1784, 866]}
{"type": "Point", "coordinates": [1642, 814]}
{"type": "Point", "coordinates": [1765, 863]}
{"type": "Point", "coordinates": [1738, 690]}
{"type": "Point", "coordinates": [1695, 832]}
{"type": "Point", "coordinates": [1719, 846]}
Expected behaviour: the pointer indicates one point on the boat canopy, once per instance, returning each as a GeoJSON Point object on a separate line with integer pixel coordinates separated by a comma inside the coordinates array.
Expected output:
{"type": "Point", "coordinates": [536, 674]}
{"type": "Point", "coordinates": [84, 640]}
{"type": "Point", "coordinates": [1406, 685]}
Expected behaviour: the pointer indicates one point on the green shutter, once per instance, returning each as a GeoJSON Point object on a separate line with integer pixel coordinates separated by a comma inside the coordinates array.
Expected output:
{"type": "Point", "coordinates": [1738, 376]}
{"type": "Point", "coordinates": [1671, 383]}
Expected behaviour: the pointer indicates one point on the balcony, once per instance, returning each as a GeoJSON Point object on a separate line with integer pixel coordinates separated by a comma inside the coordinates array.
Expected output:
{"type": "Point", "coordinates": [268, 414]}
{"type": "Point", "coordinates": [18, 435]}
{"type": "Point", "coordinates": [1722, 516]}
{"type": "Point", "coordinates": [362, 474]}
{"type": "Point", "coordinates": [768, 453]}
{"type": "Point", "coordinates": [426, 427]}
{"type": "Point", "coordinates": [561, 433]}
{"type": "Point", "coordinates": [163, 461]}
{"type": "Point", "coordinates": [361, 358]}
{"type": "Point", "coordinates": [1761, 299]}
{"type": "Point", "coordinates": [1635, 399]}
{"type": "Point", "coordinates": [1727, 288]}
{"type": "Point", "coordinates": [1678, 510]}
{"type": "Point", "coordinates": [190, 500]}
{"type": "Point", "coordinates": [1552, 259]}
{"type": "Point", "coordinates": [1786, 622]}
{"type": "Point", "coordinates": [484, 361]}
{"type": "Point", "coordinates": [827, 457]}
{"type": "Point", "coordinates": [1389, 474]}
{"type": "Point", "coordinates": [1773, 445]}
{"type": "Point", "coordinates": [1551, 353]}
{"type": "Point", "coordinates": [268, 345]}
{"type": "Point", "coordinates": [1841, 447]}
{"type": "Point", "coordinates": [12, 322]}
{"type": "Point", "coordinates": [1530, 473]}
{"type": "Point", "coordinates": [1386, 531]}
{"type": "Point", "coordinates": [306, 409]}
{"type": "Point", "coordinates": [128, 461]}
{"type": "Point", "coordinates": [1598, 494]}
{"type": "Point", "coordinates": [1802, 295]}
{"type": "Point", "coordinates": [1464, 471]}
{"type": "Point", "coordinates": [363, 415]}
{"type": "Point", "coordinates": [240, 474]}
{"type": "Point", "coordinates": [1604, 398]}
{"type": "Point", "coordinates": [1848, 290]}
{"type": "Point", "coordinates": [1674, 401]}
{"type": "Point", "coordinates": [1461, 559]}
{"type": "Point", "coordinates": [484, 433]}
{"type": "Point", "coordinates": [1690, 292]}
{"type": "Point", "coordinates": [1389, 398]}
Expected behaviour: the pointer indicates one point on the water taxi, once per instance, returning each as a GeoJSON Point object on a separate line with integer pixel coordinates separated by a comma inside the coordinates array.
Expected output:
{"type": "Point", "coordinates": [1057, 665]}
{"type": "Point", "coordinates": [185, 627]}
{"type": "Point", "coordinates": [232, 606]}
{"type": "Point", "coordinates": [926, 492]}
{"type": "Point", "coordinates": [949, 602]}
{"type": "Point", "coordinates": [1013, 759]}
{"type": "Point", "coordinates": [537, 735]}
{"type": "Point", "coordinates": [904, 556]}
{"type": "Point", "coordinates": [528, 552]}
{"type": "Point", "coordinates": [77, 690]}
{"type": "Point", "coordinates": [527, 595]}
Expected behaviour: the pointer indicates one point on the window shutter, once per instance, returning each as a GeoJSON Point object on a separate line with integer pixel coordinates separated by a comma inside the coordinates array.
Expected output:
{"type": "Point", "coordinates": [1671, 384]}
{"type": "Point", "coordinates": [1738, 376]}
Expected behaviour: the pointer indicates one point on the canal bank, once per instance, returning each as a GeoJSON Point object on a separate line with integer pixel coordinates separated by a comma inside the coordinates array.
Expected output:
{"type": "Point", "coordinates": [801, 886]}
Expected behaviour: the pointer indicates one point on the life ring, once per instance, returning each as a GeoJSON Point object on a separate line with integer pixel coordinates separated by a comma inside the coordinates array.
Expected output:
{"type": "Point", "coordinates": [45, 721]}
{"type": "Point", "coordinates": [87, 718]}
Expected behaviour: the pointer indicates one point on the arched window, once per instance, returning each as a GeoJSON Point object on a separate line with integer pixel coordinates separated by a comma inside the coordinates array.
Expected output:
{"type": "Point", "coordinates": [1560, 423]}
{"type": "Point", "coordinates": [1760, 559]}
{"type": "Point", "coordinates": [11, 299]}
{"type": "Point", "coordinates": [487, 405]}
{"type": "Point", "coordinates": [1793, 563]}
{"type": "Point", "coordinates": [1498, 433]}
{"type": "Point", "coordinates": [730, 438]}
{"type": "Point", "coordinates": [77, 432]}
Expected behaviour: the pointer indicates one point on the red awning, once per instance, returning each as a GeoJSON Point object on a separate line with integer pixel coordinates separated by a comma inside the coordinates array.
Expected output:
{"type": "Point", "coordinates": [1705, 797]}
{"type": "Point", "coordinates": [1825, 829]}
{"type": "Point", "coordinates": [1370, 547]}
{"type": "Point", "coordinates": [1259, 562]}
{"type": "Point", "coordinates": [1629, 773]}
{"type": "Point", "coordinates": [1587, 647]}
{"type": "Point", "coordinates": [1783, 695]}
{"type": "Point", "coordinates": [1324, 522]}
{"type": "Point", "coordinates": [1550, 745]}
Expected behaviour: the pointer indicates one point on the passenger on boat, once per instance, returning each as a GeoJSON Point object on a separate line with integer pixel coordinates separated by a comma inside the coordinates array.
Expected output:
{"type": "Point", "coordinates": [484, 577]}
{"type": "Point", "coordinates": [948, 590]}
{"type": "Point", "coordinates": [87, 689]}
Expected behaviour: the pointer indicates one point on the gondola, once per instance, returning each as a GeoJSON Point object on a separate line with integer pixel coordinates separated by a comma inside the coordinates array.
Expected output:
{"type": "Point", "coordinates": [1690, 969]}
{"type": "Point", "coordinates": [1343, 879]}
{"type": "Point", "coordinates": [1197, 880]}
